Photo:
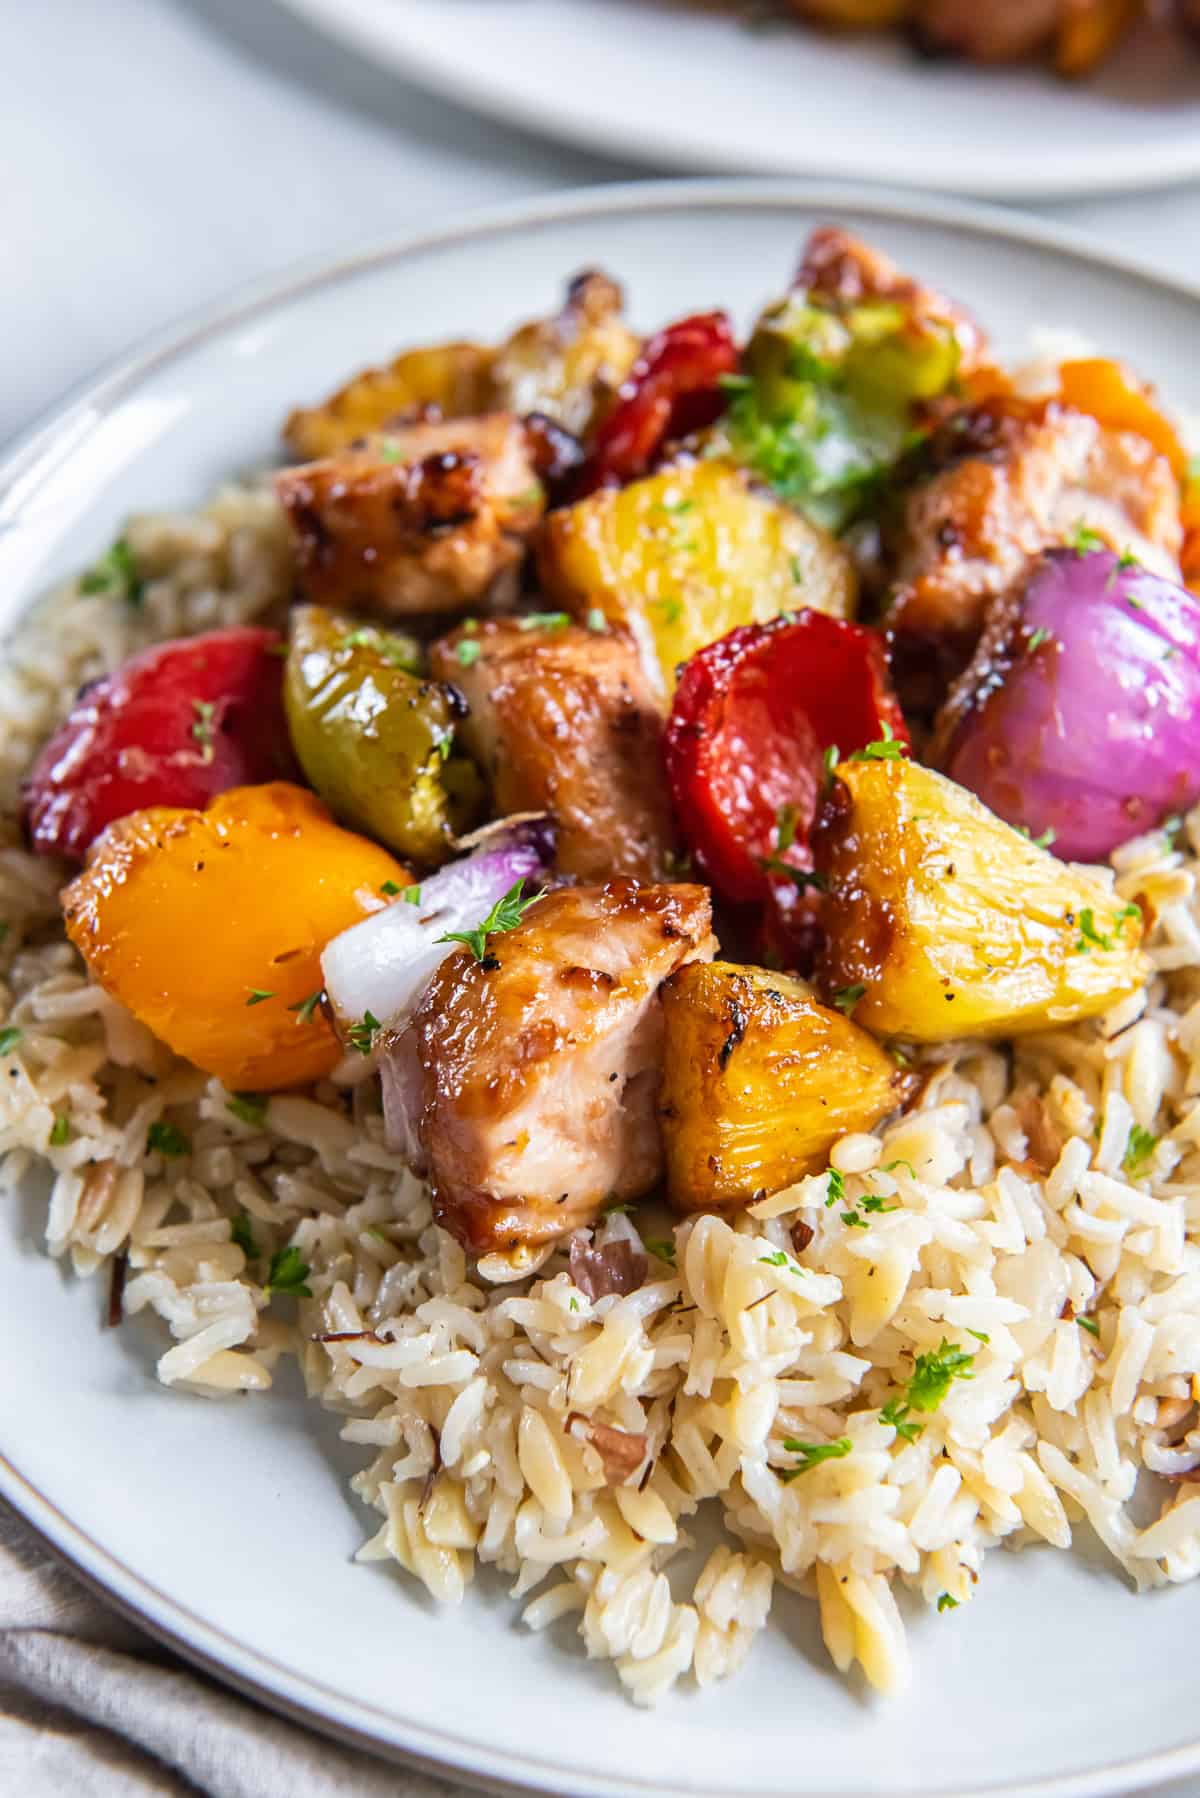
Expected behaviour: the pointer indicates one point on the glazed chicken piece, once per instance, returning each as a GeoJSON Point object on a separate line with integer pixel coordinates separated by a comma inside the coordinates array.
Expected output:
{"type": "Point", "coordinates": [526, 1084]}
{"type": "Point", "coordinates": [562, 720]}
{"type": "Point", "coordinates": [568, 367]}
{"type": "Point", "coordinates": [839, 267]}
{"type": "Point", "coordinates": [996, 484]}
{"type": "Point", "coordinates": [428, 517]}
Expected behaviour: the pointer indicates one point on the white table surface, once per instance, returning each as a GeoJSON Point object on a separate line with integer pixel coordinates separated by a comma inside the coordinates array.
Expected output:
{"type": "Point", "coordinates": [158, 153]}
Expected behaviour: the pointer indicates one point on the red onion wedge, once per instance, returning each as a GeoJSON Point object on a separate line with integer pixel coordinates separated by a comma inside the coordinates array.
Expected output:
{"type": "Point", "coordinates": [384, 964]}
{"type": "Point", "coordinates": [1078, 719]}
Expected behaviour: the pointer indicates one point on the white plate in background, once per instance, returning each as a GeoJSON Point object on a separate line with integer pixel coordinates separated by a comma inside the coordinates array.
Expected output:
{"type": "Point", "coordinates": [227, 1527]}
{"type": "Point", "coordinates": [681, 84]}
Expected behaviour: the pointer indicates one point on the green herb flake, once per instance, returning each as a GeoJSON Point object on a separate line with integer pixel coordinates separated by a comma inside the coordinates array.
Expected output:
{"type": "Point", "coordinates": [506, 914]}
{"type": "Point", "coordinates": [836, 1187]}
{"type": "Point", "coordinates": [573, 1304]}
{"type": "Point", "coordinates": [61, 1132]}
{"type": "Point", "coordinates": [115, 572]}
{"type": "Point", "coordinates": [203, 726]}
{"type": "Point", "coordinates": [1084, 539]}
{"type": "Point", "coordinates": [468, 654]}
{"type": "Point", "coordinates": [1089, 1324]}
{"type": "Point", "coordinates": [785, 828]}
{"type": "Point", "coordinates": [875, 1201]}
{"type": "Point", "coordinates": [812, 1454]}
{"type": "Point", "coordinates": [671, 609]}
{"type": "Point", "coordinates": [847, 997]}
{"type": "Point", "coordinates": [596, 621]}
{"type": "Point", "coordinates": [910, 1170]}
{"type": "Point", "coordinates": [258, 994]}
{"type": "Point", "coordinates": [935, 1373]}
{"type": "Point", "coordinates": [777, 1258]}
{"type": "Point", "coordinates": [389, 451]}
{"type": "Point", "coordinates": [287, 1274]}
{"type": "Point", "coordinates": [1172, 828]}
{"type": "Point", "coordinates": [166, 1139]}
{"type": "Point", "coordinates": [854, 1222]}
{"type": "Point", "coordinates": [980, 1336]}
{"type": "Point", "coordinates": [9, 1039]}
{"type": "Point", "coordinates": [362, 1036]}
{"type": "Point", "coordinates": [946, 1603]}
{"type": "Point", "coordinates": [544, 621]}
{"type": "Point", "coordinates": [896, 1413]}
{"type": "Point", "coordinates": [830, 760]}
{"type": "Point", "coordinates": [1089, 936]}
{"type": "Point", "coordinates": [411, 895]}
{"type": "Point", "coordinates": [248, 1108]}
{"type": "Point", "coordinates": [803, 879]}
{"type": "Point", "coordinates": [665, 1250]}
{"type": "Point", "coordinates": [304, 1008]}
{"type": "Point", "coordinates": [1126, 561]}
{"type": "Point", "coordinates": [887, 748]}
{"type": "Point", "coordinates": [241, 1233]}
{"type": "Point", "coordinates": [1040, 636]}
{"type": "Point", "coordinates": [389, 889]}
{"type": "Point", "coordinates": [1138, 1150]}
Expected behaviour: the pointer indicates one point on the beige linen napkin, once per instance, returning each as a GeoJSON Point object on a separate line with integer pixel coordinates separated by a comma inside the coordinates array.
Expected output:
{"type": "Point", "coordinates": [92, 1708]}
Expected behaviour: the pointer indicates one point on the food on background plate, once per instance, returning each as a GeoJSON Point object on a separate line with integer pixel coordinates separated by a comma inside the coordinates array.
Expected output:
{"type": "Point", "coordinates": [715, 1033]}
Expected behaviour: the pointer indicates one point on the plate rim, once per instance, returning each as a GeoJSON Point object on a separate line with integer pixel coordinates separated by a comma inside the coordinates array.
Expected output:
{"type": "Point", "coordinates": [30, 459]}
{"type": "Point", "coordinates": [1156, 166]}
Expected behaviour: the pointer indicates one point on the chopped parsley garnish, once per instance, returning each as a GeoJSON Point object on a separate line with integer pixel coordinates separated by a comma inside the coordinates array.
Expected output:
{"type": "Point", "coordinates": [896, 1413]}
{"type": "Point", "coordinates": [979, 1335]}
{"type": "Point", "coordinates": [250, 1108]}
{"type": "Point", "coordinates": [362, 1036]}
{"type": "Point", "coordinates": [946, 1603]}
{"type": "Point", "coordinates": [887, 748]}
{"type": "Point", "coordinates": [1084, 538]}
{"type": "Point", "coordinates": [573, 1304]}
{"type": "Point", "coordinates": [166, 1139]}
{"type": "Point", "coordinates": [671, 609]}
{"type": "Point", "coordinates": [116, 571]}
{"type": "Point", "coordinates": [544, 621]}
{"type": "Point", "coordinates": [777, 1258]}
{"type": "Point", "coordinates": [1041, 635]}
{"type": "Point", "coordinates": [506, 914]}
{"type": "Point", "coordinates": [1127, 561]}
{"type": "Point", "coordinates": [854, 1222]}
{"type": "Point", "coordinates": [287, 1273]}
{"type": "Point", "coordinates": [875, 1201]}
{"type": "Point", "coordinates": [389, 452]}
{"type": "Point", "coordinates": [1044, 841]}
{"type": "Point", "coordinates": [9, 1039]}
{"type": "Point", "coordinates": [596, 621]}
{"type": "Point", "coordinates": [1171, 828]}
{"type": "Point", "coordinates": [389, 889]}
{"type": "Point", "coordinates": [411, 895]}
{"type": "Point", "coordinates": [1138, 1150]}
{"type": "Point", "coordinates": [785, 828]}
{"type": "Point", "coordinates": [829, 761]}
{"type": "Point", "coordinates": [241, 1233]}
{"type": "Point", "coordinates": [258, 994]}
{"type": "Point", "coordinates": [908, 1167]}
{"type": "Point", "coordinates": [847, 997]}
{"type": "Point", "coordinates": [1089, 936]}
{"type": "Point", "coordinates": [202, 726]}
{"type": "Point", "coordinates": [1089, 1324]}
{"type": "Point", "coordinates": [663, 1249]}
{"type": "Point", "coordinates": [812, 1454]}
{"type": "Point", "coordinates": [468, 654]}
{"type": "Point", "coordinates": [802, 878]}
{"type": "Point", "coordinates": [397, 652]}
{"type": "Point", "coordinates": [61, 1132]}
{"type": "Point", "coordinates": [304, 1008]}
{"type": "Point", "coordinates": [935, 1373]}
{"type": "Point", "coordinates": [836, 1187]}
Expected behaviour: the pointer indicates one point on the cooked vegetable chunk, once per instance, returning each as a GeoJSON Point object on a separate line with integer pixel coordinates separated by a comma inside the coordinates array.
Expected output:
{"type": "Point", "coordinates": [175, 725]}
{"type": "Point", "coordinates": [854, 15]}
{"type": "Point", "coordinates": [530, 1077]}
{"type": "Point", "coordinates": [759, 1081]}
{"type": "Point", "coordinates": [374, 738]}
{"type": "Point", "coordinates": [209, 926]}
{"type": "Point", "coordinates": [569, 366]}
{"type": "Point", "coordinates": [562, 720]}
{"type": "Point", "coordinates": [454, 378]}
{"type": "Point", "coordinates": [944, 922]}
{"type": "Point", "coordinates": [429, 518]}
{"type": "Point", "coordinates": [682, 557]}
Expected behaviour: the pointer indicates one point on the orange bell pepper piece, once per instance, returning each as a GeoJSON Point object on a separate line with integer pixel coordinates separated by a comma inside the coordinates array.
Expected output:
{"type": "Point", "coordinates": [1110, 394]}
{"type": "Point", "coordinates": [209, 925]}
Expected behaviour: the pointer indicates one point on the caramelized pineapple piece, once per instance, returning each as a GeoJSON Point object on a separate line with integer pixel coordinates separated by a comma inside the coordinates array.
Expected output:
{"type": "Point", "coordinates": [569, 366]}
{"type": "Point", "coordinates": [944, 922]}
{"type": "Point", "coordinates": [684, 556]}
{"type": "Point", "coordinates": [759, 1081]}
{"type": "Point", "coordinates": [453, 377]}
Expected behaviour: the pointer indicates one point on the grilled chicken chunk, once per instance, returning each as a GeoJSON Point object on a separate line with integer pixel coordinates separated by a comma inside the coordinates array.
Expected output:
{"type": "Point", "coordinates": [429, 517]}
{"type": "Point", "coordinates": [562, 721]}
{"type": "Point", "coordinates": [840, 267]}
{"type": "Point", "coordinates": [526, 1084]}
{"type": "Point", "coordinates": [568, 367]}
{"type": "Point", "coordinates": [996, 484]}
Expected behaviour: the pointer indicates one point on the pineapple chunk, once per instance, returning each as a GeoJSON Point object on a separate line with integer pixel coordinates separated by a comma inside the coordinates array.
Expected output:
{"type": "Point", "coordinates": [454, 377]}
{"type": "Point", "coordinates": [759, 1082]}
{"type": "Point", "coordinates": [944, 922]}
{"type": "Point", "coordinates": [684, 556]}
{"type": "Point", "coordinates": [569, 366]}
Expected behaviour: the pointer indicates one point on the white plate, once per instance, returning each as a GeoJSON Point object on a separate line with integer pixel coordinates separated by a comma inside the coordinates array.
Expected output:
{"type": "Point", "coordinates": [227, 1528]}
{"type": "Point", "coordinates": [681, 85]}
